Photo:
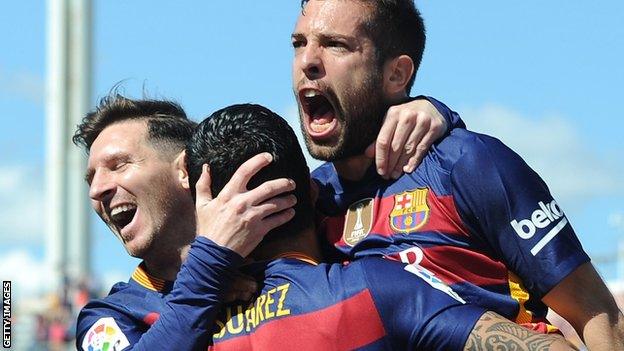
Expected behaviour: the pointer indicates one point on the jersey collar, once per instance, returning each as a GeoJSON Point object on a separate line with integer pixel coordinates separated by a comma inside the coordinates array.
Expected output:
{"type": "Point", "coordinates": [141, 277]}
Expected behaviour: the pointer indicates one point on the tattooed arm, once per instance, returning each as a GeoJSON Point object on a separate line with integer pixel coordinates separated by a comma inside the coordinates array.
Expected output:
{"type": "Point", "coordinates": [493, 332]}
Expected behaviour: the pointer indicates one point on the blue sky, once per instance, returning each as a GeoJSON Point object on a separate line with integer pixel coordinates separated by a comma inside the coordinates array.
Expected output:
{"type": "Point", "coordinates": [545, 77]}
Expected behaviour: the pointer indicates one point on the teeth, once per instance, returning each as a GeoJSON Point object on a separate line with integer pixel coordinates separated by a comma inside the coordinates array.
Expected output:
{"type": "Point", "coordinates": [119, 209]}
{"type": "Point", "coordinates": [311, 93]}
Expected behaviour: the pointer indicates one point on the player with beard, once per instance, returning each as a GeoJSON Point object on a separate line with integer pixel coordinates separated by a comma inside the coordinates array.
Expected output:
{"type": "Point", "coordinates": [473, 214]}
{"type": "Point", "coordinates": [137, 186]}
{"type": "Point", "coordinates": [368, 304]}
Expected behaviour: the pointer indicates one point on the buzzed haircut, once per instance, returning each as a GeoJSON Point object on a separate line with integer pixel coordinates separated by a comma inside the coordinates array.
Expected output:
{"type": "Point", "coordinates": [231, 136]}
{"type": "Point", "coordinates": [396, 27]}
{"type": "Point", "coordinates": [169, 129]}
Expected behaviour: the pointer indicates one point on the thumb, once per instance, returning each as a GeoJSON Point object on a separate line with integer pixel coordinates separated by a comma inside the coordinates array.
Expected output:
{"type": "Point", "coordinates": [202, 188]}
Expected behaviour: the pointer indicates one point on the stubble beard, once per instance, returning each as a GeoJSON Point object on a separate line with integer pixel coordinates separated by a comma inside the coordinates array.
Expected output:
{"type": "Point", "coordinates": [361, 111]}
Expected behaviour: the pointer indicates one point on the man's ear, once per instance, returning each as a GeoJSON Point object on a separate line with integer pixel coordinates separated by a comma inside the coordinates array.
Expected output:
{"type": "Point", "coordinates": [180, 167]}
{"type": "Point", "coordinates": [397, 74]}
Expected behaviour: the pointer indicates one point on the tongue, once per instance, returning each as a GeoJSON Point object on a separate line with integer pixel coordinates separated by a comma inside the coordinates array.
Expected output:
{"type": "Point", "coordinates": [323, 115]}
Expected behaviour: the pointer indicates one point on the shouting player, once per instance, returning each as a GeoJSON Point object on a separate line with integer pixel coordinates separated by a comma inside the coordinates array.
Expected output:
{"type": "Point", "coordinates": [371, 303]}
{"type": "Point", "coordinates": [473, 214]}
{"type": "Point", "coordinates": [135, 185]}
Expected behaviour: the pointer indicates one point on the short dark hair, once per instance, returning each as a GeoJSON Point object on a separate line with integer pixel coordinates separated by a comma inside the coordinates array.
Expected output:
{"type": "Point", "coordinates": [231, 136]}
{"type": "Point", "coordinates": [168, 126]}
{"type": "Point", "coordinates": [396, 27]}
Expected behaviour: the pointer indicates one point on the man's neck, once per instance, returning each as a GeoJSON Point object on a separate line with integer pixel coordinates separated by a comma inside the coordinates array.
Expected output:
{"type": "Point", "coordinates": [167, 266]}
{"type": "Point", "coordinates": [305, 243]}
{"type": "Point", "coordinates": [353, 168]}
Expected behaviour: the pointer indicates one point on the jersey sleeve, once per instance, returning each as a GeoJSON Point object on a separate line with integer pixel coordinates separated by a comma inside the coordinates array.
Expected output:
{"type": "Point", "coordinates": [102, 325]}
{"type": "Point", "coordinates": [187, 319]}
{"type": "Point", "coordinates": [418, 311]}
{"type": "Point", "coordinates": [508, 206]}
{"type": "Point", "coordinates": [453, 120]}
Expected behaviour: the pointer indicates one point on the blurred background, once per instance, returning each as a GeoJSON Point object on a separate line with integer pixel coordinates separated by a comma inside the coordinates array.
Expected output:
{"type": "Point", "coordinates": [545, 77]}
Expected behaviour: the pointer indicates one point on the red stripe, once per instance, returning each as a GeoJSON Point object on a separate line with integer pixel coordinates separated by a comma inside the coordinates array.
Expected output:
{"type": "Point", "coordinates": [151, 318]}
{"type": "Point", "coordinates": [347, 325]}
{"type": "Point", "coordinates": [443, 217]}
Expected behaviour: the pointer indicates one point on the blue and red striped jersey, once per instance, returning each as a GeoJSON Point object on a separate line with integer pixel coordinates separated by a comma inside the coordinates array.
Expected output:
{"type": "Point", "coordinates": [369, 304]}
{"type": "Point", "coordinates": [148, 313]}
{"type": "Point", "coordinates": [473, 214]}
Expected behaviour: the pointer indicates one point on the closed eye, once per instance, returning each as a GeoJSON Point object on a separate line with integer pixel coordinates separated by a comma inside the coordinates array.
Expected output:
{"type": "Point", "coordinates": [337, 44]}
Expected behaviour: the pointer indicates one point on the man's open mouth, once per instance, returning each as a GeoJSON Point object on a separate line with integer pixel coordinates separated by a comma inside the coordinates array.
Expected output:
{"type": "Point", "coordinates": [319, 114]}
{"type": "Point", "coordinates": [123, 215]}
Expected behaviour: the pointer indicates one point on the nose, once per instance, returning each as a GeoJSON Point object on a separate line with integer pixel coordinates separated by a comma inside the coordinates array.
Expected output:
{"type": "Point", "coordinates": [102, 187]}
{"type": "Point", "coordinates": [311, 62]}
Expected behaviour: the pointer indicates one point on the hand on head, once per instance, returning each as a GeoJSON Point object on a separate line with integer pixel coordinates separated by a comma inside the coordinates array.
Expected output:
{"type": "Point", "coordinates": [239, 218]}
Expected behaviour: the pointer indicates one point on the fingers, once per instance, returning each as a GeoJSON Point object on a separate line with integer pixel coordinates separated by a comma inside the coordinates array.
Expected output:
{"type": "Point", "coordinates": [409, 149]}
{"type": "Point", "coordinates": [383, 142]}
{"type": "Point", "coordinates": [202, 188]}
{"type": "Point", "coordinates": [408, 132]}
{"type": "Point", "coordinates": [273, 221]}
{"type": "Point", "coordinates": [275, 205]}
{"type": "Point", "coordinates": [269, 189]}
{"type": "Point", "coordinates": [437, 128]}
{"type": "Point", "coordinates": [397, 157]}
{"type": "Point", "coordinates": [238, 182]}
{"type": "Point", "coordinates": [419, 154]}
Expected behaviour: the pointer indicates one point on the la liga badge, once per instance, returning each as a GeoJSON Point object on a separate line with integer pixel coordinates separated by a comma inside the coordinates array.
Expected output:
{"type": "Point", "coordinates": [105, 335]}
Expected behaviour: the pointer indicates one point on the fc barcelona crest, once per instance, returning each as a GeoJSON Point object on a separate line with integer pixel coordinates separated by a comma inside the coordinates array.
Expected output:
{"type": "Point", "coordinates": [358, 221]}
{"type": "Point", "coordinates": [410, 211]}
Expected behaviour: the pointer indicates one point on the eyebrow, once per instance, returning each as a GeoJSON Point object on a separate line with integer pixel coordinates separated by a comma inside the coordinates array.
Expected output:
{"type": "Point", "coordinates": [336, 36]}
{"type": "Point", "coordinates": [332, 35]}
{"type": "Point", "coordinates": [297, 36]}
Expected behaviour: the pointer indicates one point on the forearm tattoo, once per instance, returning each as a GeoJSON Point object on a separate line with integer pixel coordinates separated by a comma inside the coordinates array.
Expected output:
{"type": "Point", "coordinates": [492, 332]}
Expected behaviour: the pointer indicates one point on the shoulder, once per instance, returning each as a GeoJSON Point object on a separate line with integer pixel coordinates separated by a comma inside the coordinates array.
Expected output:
{"type": "Point", "coordinates": [479, 160]}
{"type": "Point", "coordinates": [125, 314]}
{"type": "Point", "coordinates": [106, 318]}
{"type": "Point", "coordinates": [469, 147]}
{"type": "Point", "coordinates": [113, 305]}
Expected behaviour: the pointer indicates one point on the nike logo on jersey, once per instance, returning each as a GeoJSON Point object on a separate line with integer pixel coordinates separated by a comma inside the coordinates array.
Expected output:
{"type": "Point", "coordinates": [541, 218]}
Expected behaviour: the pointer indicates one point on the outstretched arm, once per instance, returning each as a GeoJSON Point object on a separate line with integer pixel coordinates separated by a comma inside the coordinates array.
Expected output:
{"type": "Point", "coordinates": [583, 299]}
{"type": "Point", "coordinates": [494, 332]}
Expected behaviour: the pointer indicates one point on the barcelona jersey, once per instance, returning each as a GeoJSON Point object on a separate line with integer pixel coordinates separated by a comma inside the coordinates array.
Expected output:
{"type": "Point", "coordinates": [148, 313]}
{"type": "Point", "coordinates": [369, 304]}
{"type": "Point", "coordinates": [473, 215]}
